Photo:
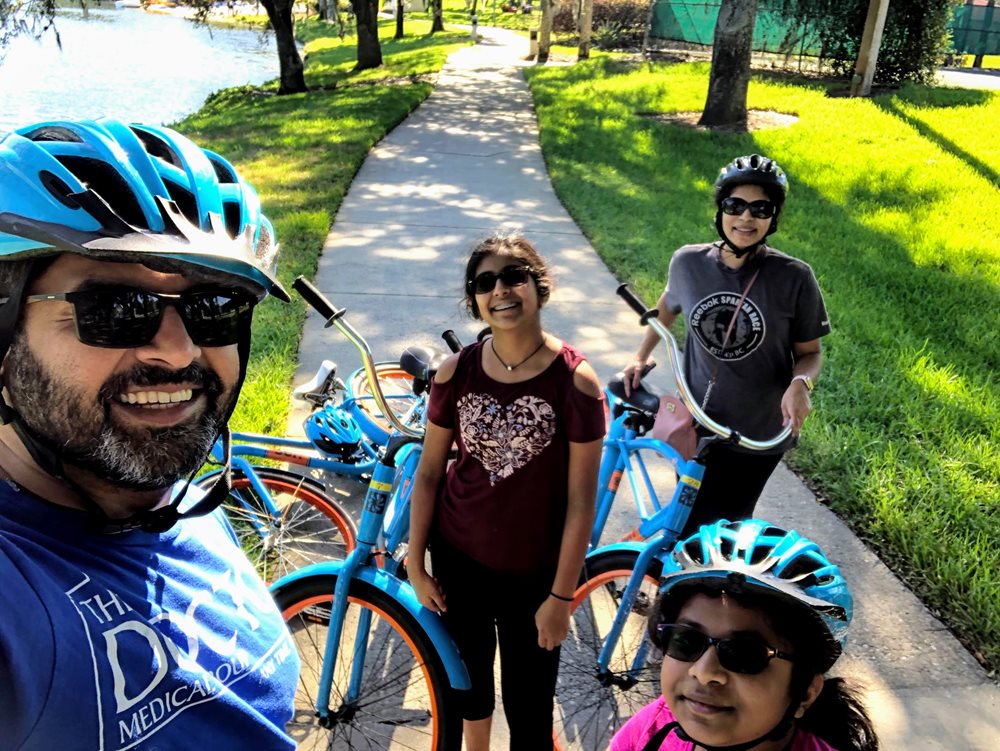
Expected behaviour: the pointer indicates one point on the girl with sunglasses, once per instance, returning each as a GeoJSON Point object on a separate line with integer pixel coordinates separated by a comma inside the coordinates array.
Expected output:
{"type": "Point", "coordinates": [749, 619]}
{"type": "Point", "coordinates": [509, 521]}
{"type": "Point", "coordinates": [754, 317]}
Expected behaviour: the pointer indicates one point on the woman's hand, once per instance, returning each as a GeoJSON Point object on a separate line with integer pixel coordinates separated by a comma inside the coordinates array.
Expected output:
{"type": "Point", "coordinates": [552, 622]}
{"type": "Point", "coordinates": [633, 374]}
{"type": "Point", "coordinates": [429, 592]}
{"type": "Point", "coordinates": [795, 405]}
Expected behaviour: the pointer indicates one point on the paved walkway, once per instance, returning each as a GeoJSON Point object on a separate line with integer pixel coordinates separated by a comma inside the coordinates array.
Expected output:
{"type": "Point", "coordinates": [468, 161]}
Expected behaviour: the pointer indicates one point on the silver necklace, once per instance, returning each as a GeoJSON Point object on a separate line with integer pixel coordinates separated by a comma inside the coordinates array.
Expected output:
{"type": "Point", "coordinates": [517, 365]}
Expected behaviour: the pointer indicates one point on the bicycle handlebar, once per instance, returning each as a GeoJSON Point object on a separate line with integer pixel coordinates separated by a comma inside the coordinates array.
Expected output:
{"type": "Point", "coordinates": [649, 317]}
{"type": "Point", "coordinates": [452, 340]}
{"type": "Point", "coordinates": [334, 317]}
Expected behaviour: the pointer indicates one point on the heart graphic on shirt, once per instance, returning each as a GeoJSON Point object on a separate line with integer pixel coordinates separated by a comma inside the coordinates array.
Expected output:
{"type": "Point", "coordinates": [504, 439]}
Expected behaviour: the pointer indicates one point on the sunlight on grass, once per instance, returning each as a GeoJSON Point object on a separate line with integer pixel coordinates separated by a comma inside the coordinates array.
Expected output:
{"type": "Point", "coordinates": [887, 204]}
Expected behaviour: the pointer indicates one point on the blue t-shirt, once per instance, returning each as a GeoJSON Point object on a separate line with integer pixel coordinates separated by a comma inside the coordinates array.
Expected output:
{"type": "Point", "coordinates": [139, 640]}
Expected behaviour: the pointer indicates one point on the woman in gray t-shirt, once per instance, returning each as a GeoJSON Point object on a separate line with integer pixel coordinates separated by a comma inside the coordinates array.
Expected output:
{"type": "Point", "coordinates": [765, 357]}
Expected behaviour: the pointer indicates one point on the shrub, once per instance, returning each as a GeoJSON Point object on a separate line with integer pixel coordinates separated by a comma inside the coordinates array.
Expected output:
{"type": "Point", "coordinates": [615, 23]}
{"type": "Point", "coordinates": [914, 41]}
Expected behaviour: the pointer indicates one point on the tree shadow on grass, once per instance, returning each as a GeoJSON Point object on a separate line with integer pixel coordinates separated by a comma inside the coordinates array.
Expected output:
{"type": "Point", "coordinates": [889, 106]}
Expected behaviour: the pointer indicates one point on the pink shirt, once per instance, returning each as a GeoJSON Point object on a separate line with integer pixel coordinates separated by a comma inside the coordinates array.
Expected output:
{"type": "Point", "coordinates": [635, 733]}
{"type": "Point", "coordinates": [503, 502]}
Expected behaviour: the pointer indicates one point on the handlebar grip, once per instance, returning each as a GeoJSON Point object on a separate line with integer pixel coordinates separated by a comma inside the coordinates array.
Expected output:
{"type": "Point", "coordinates": [625, 293]}
{"type": "Point", "coordinates": [317, 299]}
{"type": "Point", "coordinates": [452, 340]}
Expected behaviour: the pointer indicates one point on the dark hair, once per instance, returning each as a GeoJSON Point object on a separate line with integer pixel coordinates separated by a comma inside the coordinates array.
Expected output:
{"type": "Point", "coordinates": [838, 715]}
{"type": "Point", "coordinates": [513, 245]}
{"type": "Point", "coordinates": [16, 276]}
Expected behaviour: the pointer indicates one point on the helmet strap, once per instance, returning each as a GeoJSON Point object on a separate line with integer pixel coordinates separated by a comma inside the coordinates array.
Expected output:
{"type": "Point", "coordinates": [778, 731]}
{"type": "Point", "coordinates": [740, 252]}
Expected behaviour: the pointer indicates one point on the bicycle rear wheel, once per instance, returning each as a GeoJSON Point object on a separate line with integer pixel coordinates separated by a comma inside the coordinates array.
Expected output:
{"type": "Point", "coordinates": [591, 705]}
{"type": "Point", "coordinates": [309, 525]}
{"type": "Point", "coordinates": [405, 700]}
{"type": "Point", "coordinates": [397, 387]}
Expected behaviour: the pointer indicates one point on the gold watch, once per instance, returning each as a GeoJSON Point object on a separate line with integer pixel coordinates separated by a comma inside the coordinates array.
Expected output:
{"type": "Point", "coordinates": [805, 379]}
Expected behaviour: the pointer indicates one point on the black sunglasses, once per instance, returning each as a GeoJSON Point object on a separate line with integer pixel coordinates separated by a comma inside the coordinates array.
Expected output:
{"type": "Point", "coordinates": [758, 209]}
{"type": "Point", "coordinates": [746, 654]}
{"type": "Point", "coordinates": [125, 317]}
{"type": "Point", "coordinates": [512, 276]}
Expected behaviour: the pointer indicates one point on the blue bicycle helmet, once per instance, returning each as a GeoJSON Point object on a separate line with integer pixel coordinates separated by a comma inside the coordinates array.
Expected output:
{"type": "Point", "coordinates": [333, 431]}
{"type": "Point", "coordinates": [135, 193]}
{"type": "Point", "coordinates": [756, 556]}
{"type": "Point", "coordinates": [132, 194]}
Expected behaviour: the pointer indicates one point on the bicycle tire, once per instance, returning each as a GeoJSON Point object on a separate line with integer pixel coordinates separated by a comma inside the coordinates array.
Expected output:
{"type": "Point", "coordinates": [313, 526]}
{"type": "Point", "coordinates": [589, 707]}
{"type": "Point", "coordinates": [395, 383]}
{"type": "Point", "coordinates": [406, 700]}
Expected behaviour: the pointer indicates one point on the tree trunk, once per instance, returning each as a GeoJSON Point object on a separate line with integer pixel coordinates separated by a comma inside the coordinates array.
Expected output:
{"type": "Point", "coordinates": [438, 23]}
{"type": "Point", "coordinates": [726, 103]}
{"type": "Point", "coordinates": [545, 33]}
{"type": "Point", "coordinates": [586, 22]}
{"type": "Point", "coordinates": [279, 13]}
{"type": "Point", "coordinates": [366, 19]}
{"type": "Point", "coordinates": [399, 20]}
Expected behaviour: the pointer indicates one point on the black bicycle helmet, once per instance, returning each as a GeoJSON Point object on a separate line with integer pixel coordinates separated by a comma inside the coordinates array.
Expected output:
{"type": "Point", "coordinates": [752, 169]}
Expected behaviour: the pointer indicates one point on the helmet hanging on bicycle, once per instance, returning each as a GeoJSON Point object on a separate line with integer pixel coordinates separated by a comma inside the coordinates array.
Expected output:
{"type": "Point", "coordinates": [108, 191]}
{"type": "Point", "coordinates": [759, 560]}
{"type": "Point", "coordinates": [334, 431]}
{"type": "Point", "coordinates": [752, 169]}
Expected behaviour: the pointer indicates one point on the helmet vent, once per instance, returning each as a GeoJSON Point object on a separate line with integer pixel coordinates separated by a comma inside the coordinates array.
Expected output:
{"type": "Point", "coordinates": [799, 567]}
{"type": "Point", "coordinates": [759, 553]}
{"type": "Point", "coordinates": [185, 201]}
{"type": "Point", "coordinates": [693, 548]}
{"type": "Point", "coordinates": [726, 549]}
{"type": "Point", "coordinates": [222, 172]}
{"type": "Point", "coordinates": [59, 189]}
{"type": "Point", "coordinates": [264, 240]}
{"type": "Point", "coordinates": [105, 181]}
{"type": "Point", "coordinates": [231, 215]}
{"type": "Point", "coordinates": [159, 148]}
{"type": "Point", "coordinates": [53, 133]}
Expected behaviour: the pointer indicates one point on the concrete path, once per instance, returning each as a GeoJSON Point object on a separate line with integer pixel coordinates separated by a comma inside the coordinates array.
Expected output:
{"type": "Point", "coordinates": [468, 162]}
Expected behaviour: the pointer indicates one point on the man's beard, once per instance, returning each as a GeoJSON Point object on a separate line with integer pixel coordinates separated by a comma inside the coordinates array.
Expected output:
{"type": "Point", "coordinates": [87, 436]}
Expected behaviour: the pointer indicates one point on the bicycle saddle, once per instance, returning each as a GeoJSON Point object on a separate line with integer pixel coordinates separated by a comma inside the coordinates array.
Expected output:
{"type": "Point", "coordinates": [421, 362]}
{"type": "Point", "coordinates": [640, 398]}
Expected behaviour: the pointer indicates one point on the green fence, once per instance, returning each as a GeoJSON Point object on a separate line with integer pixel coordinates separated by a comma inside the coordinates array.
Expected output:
{"type": "Point", "coordinates": [976, 30]}
{"type": "Point", "coordinates": [694, 22]}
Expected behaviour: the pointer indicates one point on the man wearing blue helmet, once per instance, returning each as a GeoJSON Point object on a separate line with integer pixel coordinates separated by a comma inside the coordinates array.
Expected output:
{"type": "Point", "coordinates": [130, 264]}
{"type": "Point", "coordinates": [749, 619]}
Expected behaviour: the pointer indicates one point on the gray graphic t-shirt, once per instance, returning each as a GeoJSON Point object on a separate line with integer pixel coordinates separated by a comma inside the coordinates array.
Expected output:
{"type": "Point", "coordinates": [784, 306]}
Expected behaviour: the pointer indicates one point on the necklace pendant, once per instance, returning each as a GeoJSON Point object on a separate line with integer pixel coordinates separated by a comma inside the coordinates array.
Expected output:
{"type": "Point", "coordinates": [509, 368]}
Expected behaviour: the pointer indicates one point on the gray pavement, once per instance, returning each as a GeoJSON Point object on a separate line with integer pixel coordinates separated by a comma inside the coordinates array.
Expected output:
{"type": "Point", "coordinates": [468, 162]}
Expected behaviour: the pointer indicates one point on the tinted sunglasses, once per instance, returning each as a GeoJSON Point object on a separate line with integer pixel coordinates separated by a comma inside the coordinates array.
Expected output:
{"type": "Point", "coordinates": [512, 276]}
{"type": "Point", "coordinates": [125, 317]}
{"type": "Point", "coordinates": [758, 209]}
{"type": "Point", "coordinates": [746, 654]}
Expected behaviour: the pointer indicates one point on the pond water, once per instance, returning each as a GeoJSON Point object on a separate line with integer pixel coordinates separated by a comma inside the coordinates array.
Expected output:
{"type": "Point", "coordinates": [136, 66]}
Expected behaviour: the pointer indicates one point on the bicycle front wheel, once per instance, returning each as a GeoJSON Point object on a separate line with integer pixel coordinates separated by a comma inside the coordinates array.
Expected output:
{"type": "Point", "coordinates": [397, 387]}
{"type": "Point", "coordinates": [591, 703]}
{"type": "Point", "coordinates": [405, 699]}
{"type": "Point", "coordinates": [305, 526]}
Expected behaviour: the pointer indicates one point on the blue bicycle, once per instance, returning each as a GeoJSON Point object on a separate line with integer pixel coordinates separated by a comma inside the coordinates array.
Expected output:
{"type": "Point", "coordinates": [378, 670]}
{"type": "Point", "coordinates": [607, 668]}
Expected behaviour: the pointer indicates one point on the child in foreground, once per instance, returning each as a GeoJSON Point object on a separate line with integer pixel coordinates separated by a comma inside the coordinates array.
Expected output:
{"type": "Point", "coordinates": [750, 618]}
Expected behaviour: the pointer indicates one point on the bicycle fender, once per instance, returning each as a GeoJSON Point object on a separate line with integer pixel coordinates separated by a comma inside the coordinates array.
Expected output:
{"type": "Point", "coordinates": [616, 547]}
{"type": "Point", "coordinates": [403, 593]}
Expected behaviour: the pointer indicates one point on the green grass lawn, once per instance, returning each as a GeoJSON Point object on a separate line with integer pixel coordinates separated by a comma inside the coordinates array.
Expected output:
{"type": "Point", "coordinates": [894, 203]}
{"type": "Point", "coordinates": [301, 153]}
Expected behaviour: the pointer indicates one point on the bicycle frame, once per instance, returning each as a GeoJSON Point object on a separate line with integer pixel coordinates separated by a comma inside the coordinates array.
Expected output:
{"type": "Point", "coordinates": [669, 520]}
{"type": "Point", "coordinates": [359, 563]}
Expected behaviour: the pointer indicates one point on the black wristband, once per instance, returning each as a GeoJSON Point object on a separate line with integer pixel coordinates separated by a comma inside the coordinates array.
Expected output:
{"type": "Point", "coordinates": [560, 597]}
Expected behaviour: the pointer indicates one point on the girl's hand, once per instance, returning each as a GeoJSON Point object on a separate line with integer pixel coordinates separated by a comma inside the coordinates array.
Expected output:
{"type": "Point", "coordinates": [795, 406]}
{"type": "Point", "coordinates": [552, 622]}
{"type": "Point", "coordinates": [429, 592]}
